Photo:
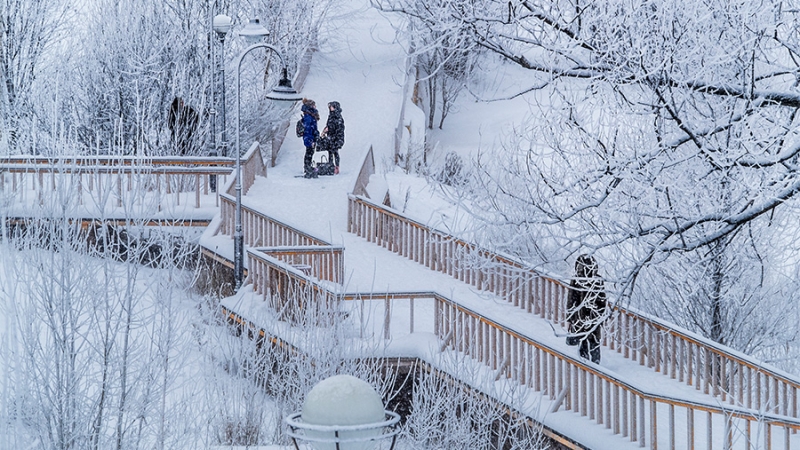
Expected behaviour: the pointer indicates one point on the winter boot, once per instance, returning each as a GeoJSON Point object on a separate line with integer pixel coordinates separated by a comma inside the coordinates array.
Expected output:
{"type": "Point", "coordinates": [336, 170]}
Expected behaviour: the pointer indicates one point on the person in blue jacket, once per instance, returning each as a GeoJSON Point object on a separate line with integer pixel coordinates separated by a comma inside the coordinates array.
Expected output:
{"type": "Point", "coordinates": [310, 134]}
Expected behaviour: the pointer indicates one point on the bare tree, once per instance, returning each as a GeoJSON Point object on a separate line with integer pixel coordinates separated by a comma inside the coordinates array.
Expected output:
{"type": "Point", "coordinates": [27, 28]}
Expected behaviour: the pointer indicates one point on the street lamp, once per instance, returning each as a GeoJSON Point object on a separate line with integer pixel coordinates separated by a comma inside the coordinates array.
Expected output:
{"type": "Point", "coordinates": [221, 24]}
{"type": "Point", "coordinates": [252, 32]}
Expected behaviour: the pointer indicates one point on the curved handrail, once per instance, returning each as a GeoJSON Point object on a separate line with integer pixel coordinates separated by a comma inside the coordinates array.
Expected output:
{"type": "Point", "coordinates": [584, 388]}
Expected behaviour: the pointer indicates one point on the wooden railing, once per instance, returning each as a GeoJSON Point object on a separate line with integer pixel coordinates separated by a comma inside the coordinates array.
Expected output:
{"type": "Point", "coordinates": [642, 416]}
{"type": "Point", "coordinates": [252, 164]}
{"type": "Point", "coordinates": [712, 368]}
{"type": "Point", "coordinates": [590, 391]}
{"type": "Point", "coordinates": [464, 261]}
{"type": "Point", "coordinates": [260, 230]}
{"type": "Point", "coordinates": [294, 295]}
{"type": "Point", "coordinates": [321, 262]}
{"type": "Point", "coordinates": [165, 175]}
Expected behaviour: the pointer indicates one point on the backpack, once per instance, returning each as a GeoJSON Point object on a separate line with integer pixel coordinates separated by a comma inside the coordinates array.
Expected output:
{"type": "Point", "coordinates": [299, 128]}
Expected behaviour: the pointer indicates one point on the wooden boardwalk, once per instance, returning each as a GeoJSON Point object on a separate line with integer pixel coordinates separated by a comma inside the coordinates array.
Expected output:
{"type": "Point", "coordinates": [670, 388]}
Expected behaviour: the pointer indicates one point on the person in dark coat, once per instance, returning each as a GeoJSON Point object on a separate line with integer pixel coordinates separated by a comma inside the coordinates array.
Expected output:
{"type": "Point", "coordinates": [333, 134]}
{"type": "Point", "coordinates": [182, 121]}
{"type": "Point", "coordinates": [310, 134]}
{"type": "Point", "coordinates": [587, 307]}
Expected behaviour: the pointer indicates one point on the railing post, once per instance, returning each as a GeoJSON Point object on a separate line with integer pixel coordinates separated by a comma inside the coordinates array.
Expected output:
{"type": "Point", "coordinates": [690, 429]}
{"type": "Point", "coordinates": [387, 313]}
{"type": "Point", "coordinates": [654, 426]}
{"type": "Point", "coordinates": [197, 191]}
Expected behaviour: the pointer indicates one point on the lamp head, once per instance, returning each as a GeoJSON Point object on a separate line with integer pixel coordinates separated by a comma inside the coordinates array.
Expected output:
{"type": "Point", "coordinates": [222, 24]}
{"type": "Point", "coordinates": [284, 92]}
{"type": "Point", "coordinates": [253, 32]}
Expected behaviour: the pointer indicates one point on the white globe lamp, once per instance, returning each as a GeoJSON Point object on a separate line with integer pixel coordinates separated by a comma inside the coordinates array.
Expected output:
{"type": "Point", "coordinates": [343, 413]}
{"type": "Point", "coordinates": [253, 31]}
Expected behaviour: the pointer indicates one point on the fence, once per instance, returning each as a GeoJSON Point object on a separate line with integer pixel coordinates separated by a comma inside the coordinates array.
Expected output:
{"type": "Point", "coordinates": [116, 176]}
{"type": "Point", "coordinates": [709, 367]}
{"type": "Point", "coordinates": [294, 295]}
{"type": "Point", "coordinates": [321, 262]}
{"type": "Point", "coordinates": [641, 416]}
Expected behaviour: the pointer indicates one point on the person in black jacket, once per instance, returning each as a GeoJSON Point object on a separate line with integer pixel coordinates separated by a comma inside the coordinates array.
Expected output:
{"type": "Point", "coordinates": [587, 307]}
{"type": "Point", "coordinates": [182, 121]}
{"type": "Point", "coordinates": [333, 134]}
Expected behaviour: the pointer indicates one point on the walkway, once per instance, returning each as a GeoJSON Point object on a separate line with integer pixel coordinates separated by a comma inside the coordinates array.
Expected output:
{"type": "Point", "coordinates": [635, 405]}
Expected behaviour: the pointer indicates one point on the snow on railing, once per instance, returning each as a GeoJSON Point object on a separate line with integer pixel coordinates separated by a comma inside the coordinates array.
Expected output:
{"type": "Point", "coordinates": [640, 415]}
{"type": "Point", "coordinates": [322, 262]}
{"type": "Point", "coordinates": [717, 370]}
{"type": "Point", "coordinates": [252, 164]}
{"type": "Point", "coordinates": [293, 294]}
{"type": "Point", "coordinates": [260, 230]}
{"type": "Point", "coordinates": [111, 174]}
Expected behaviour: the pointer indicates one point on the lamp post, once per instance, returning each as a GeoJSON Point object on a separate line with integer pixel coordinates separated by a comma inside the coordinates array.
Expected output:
{"type": "Point", "coordinates": [253, 32]}
{"type": "Point", "coordinates": [220, 24]}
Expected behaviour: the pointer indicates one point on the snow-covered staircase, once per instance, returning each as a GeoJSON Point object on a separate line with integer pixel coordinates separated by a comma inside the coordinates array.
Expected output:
{"type": "Point", "coordinates": [658, 385]}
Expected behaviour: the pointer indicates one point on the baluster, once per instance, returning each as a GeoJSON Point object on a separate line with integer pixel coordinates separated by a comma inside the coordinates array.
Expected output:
{"type": "Point", "coordinates": [681, 359]}
{"type": "Point", "coordinates": [607, 403]}
{"type": "Point", "coordinates": [672, 426]}
{"type": "Point", "coordinates": [625, 335]}
{"type": "Point", "coordinates": [538, 370]}
{"type": "Point", "coordinates": [775, 394]}
{"type": "Point", "coordinates": [560, 378]}
{"type": "Point", "coordinates": [673, 366]}
{"type": "Point", "coordinates": [197, 191]}
{"type": "Point", "coordinates": [633, 416]}
{"type": "Point", "coordinates": [591, 395]}
{"type": "Point", "coordinates": [707, 371]}
{"type": "Point", "coordinates": [624, 419]}
{"type": "Point", "coordinates": [566, 372]}
{"type": "Point", "coordinates": [551, 376]}
{"type": "Point", "coordinates": [758, 389]}
{"type": "Point", "coordinates": [654, 425]}
{"type": "Point", "coordinates": [658, 337]}
{"type": "Point", "coordinates": [615, 405]}
{"type": "Point", "coordinates": [642, 424]}
{"type": "Point", "coordinates": [599, 399]}
{"type": "Point", "coordinates": [583, 399]}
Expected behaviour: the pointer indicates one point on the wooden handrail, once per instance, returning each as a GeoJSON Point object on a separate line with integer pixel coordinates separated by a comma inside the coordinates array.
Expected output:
{"type": "Point", "coordinates": [715, 369]}
{"type": "Point", "coordinates": [163, 178]}
{"type": "Point", "coordinates": [108, 160]}
{"type": "Point", "coordinates": [590, 389]}
{"type": "Point", "coordinates": [261, 230]}
{"type": "Point", "coordinates": [321, 262]}
{"type": "Point", "coordinates": [126, 169]}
